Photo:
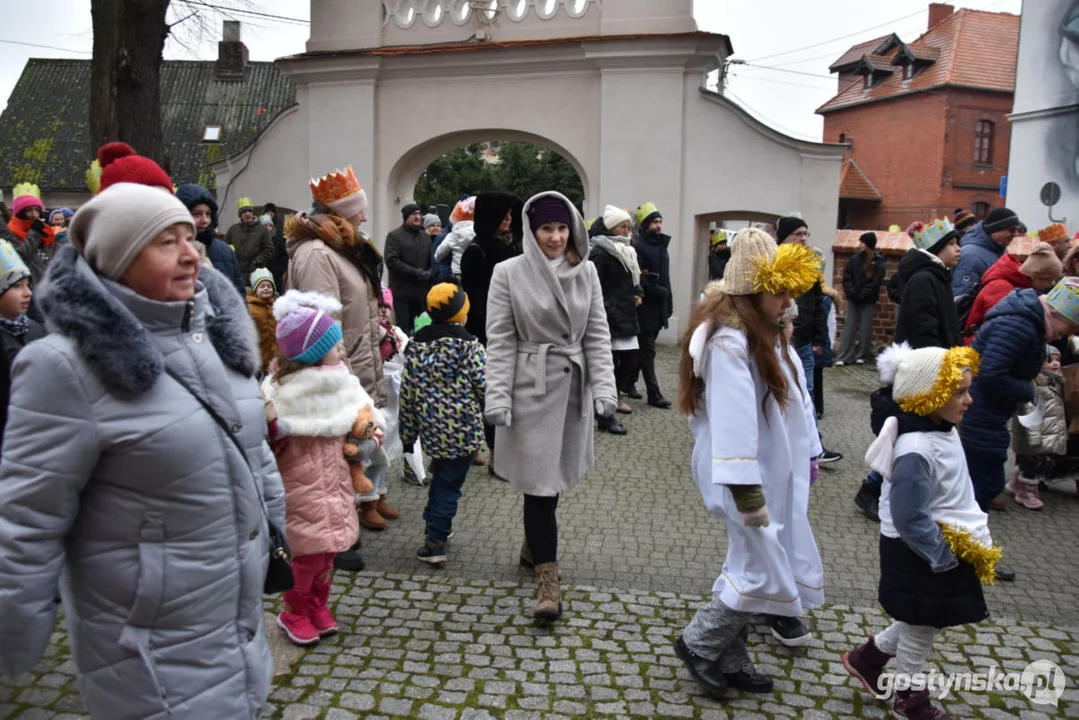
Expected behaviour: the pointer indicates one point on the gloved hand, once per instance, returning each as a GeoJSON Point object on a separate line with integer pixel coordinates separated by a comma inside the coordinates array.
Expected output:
{"type": "Point", "coordinates": [605, 407]}
{"type": "Point", "coordinates": [499, 416]}
{"type": "Point", "coordinates": [38, 226]}
{"type": "Point", "coordinates": [814, 470]}
{"type": "Point", "coordinates": [756, 518]}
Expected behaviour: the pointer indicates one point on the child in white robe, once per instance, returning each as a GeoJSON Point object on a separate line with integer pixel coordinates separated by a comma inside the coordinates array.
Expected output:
{"type": "Point", "coordinates": [754, 457]}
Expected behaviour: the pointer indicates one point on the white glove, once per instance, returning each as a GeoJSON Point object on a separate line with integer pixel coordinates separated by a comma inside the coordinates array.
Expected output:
{"type": "Point", "coordinates": [756, 518]}
{"type": "Point", "coordinates": [499, 416]}
{"type": "Point", "coordinates": [605, 407]}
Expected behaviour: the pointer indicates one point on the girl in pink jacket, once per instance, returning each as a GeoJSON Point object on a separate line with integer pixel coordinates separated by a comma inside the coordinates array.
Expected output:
{"type": "Point", "coordinates": [316, 399]}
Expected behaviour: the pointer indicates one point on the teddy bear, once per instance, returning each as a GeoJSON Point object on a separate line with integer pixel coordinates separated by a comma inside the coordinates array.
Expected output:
{"type": "Point", "coordinates": [360, 447]}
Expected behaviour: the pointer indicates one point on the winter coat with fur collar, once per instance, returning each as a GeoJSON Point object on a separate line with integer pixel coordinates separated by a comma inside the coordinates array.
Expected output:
{"type": "Point", "coordinates": [119, 486]}
{"type": "Point", "coordinates": [317, 407]}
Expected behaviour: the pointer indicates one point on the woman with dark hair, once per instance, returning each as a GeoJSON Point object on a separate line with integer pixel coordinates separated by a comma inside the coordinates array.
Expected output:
{"type": "Point", "coordinates": [862, 278]}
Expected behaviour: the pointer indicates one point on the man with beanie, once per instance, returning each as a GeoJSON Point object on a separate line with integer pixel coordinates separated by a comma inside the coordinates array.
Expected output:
{"type": "Point", "coordinates": [982, 246]}
{"type": "Point", "coordinates": [719, 254]}
{"type": "Point", "coordinates": [657, 307]}
{"type": "Point", "coordinates": [203, 207]}
{"type": "Point", "coordinates": [442, 393]}
{"type": "Point", "coordinates": [1039, 271]}
{"type": "Point", "coordinates": [250, 239]}
{"type": "Point", "coordinates": [964, 220]}
{"type": "Point", "coordinates": [408, 258]}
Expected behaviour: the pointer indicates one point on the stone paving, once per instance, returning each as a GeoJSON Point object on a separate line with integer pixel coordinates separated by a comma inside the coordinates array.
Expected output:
{"type": "Point", "coordinates": [638, 554]}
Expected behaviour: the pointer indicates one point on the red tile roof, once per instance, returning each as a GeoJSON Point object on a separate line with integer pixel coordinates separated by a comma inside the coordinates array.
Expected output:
{"type": "Point", "coordinates": [976, 50]}
{"type": "Point", "coordinates": [854, 185]}
{"type": "Point", "coordinates": [876, 45]}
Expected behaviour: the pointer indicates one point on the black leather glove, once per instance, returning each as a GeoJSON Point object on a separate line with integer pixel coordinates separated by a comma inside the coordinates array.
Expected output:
{"type": "Point", "coordinates": [38, 226]}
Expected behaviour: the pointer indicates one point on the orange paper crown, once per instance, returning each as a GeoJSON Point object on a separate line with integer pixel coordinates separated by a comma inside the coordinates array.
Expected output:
{"type": "Point", "coordinates": [335, 186]}
{"type": "Point", "coordinates": [1053, 232]}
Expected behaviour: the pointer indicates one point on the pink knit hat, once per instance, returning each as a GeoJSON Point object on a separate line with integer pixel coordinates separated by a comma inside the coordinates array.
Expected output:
{"type": "Point", "coordinates": [306, 330]}
{"type": "Point", "coordinates": [24, 201]}
{"type": "Point", "coordinates": [387, 297]}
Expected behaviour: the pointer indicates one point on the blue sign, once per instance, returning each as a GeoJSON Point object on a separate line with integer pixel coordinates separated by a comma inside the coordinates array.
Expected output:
{"type": "Point", "coordinates": [1004, 186]}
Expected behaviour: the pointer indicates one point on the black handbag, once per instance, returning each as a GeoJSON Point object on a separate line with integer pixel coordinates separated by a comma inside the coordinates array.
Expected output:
{"type": "Point", "coordinates": [279, 573]}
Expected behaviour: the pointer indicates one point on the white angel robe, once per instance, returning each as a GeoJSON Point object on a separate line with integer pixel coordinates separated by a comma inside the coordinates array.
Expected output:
{"type": "Point", "coordinates": [774, 570]}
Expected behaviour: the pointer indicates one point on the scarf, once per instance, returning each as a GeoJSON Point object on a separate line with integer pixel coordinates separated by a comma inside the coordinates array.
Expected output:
{"type": "Point", "coordinates": [17, 326]}
{"type": "Point", "coordinates": [21, 227]}
{"type": "Point", "coordinates": [619, 247]}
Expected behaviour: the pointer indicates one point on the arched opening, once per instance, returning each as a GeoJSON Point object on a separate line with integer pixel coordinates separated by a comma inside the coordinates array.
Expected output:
{"type": "Point", "coordinates": [730, 220]}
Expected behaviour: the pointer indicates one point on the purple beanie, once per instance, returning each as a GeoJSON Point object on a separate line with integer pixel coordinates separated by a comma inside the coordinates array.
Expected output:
{"type": "Point", "coordinates": [548, 210]}
{"type": "Point", "coordinates": [305, 329]}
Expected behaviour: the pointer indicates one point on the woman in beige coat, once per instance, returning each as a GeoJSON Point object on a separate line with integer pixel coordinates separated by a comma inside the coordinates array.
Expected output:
{"type": "Point", "coordinates": [548, 368]}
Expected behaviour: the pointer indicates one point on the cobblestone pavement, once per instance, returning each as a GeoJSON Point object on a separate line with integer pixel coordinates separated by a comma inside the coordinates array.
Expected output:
{"type": "Point", "coordinates": [638, 554]}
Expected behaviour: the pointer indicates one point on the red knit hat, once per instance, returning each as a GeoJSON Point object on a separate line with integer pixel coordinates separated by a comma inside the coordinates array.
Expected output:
{"type": "Point", "coordinates": [121, 164]}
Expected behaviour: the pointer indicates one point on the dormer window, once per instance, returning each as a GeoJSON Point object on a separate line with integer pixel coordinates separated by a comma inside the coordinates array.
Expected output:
{"type": "Point", "coordinates": [908, 72]}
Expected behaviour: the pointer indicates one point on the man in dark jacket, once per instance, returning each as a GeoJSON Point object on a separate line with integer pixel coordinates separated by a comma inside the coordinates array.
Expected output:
{"type": "Point", "coordinates": [278, 264]}
{"type": "Point", "coordinates": [250, 239]}
{"type": "Point", "coordinates": [657, 307]}
{"type": "Point", "coordinates": [982, 246]}
{"type": "Point", "coordinates": [408, 258]}
{"type": "Point", "coordinates": [719, 254]}
{"type": "Point", "coordinates": [927, 315]}
{"type": "Point", "coordinates": [203, 207]}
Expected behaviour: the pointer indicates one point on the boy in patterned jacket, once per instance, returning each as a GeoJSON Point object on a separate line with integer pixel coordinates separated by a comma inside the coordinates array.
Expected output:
{"type": "Point", "coordinates": [442, 407]}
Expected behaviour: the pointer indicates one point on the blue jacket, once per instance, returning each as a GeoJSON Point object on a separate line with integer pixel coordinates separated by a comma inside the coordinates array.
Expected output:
{"type": "Point", "coordinates": [979, 252]}
{"type": "Point", "coordinates": [1012, 346]}
{"type": "Point", "coordinates": [221, 255]}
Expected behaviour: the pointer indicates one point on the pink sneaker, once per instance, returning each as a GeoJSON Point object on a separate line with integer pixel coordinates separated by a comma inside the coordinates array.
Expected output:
{"type": "Point", "coordinates": [323, 621]}
{"type": "Point", "coordinates": [1027, 496]}
{"type": "Point", "coordinates": [298, 628]}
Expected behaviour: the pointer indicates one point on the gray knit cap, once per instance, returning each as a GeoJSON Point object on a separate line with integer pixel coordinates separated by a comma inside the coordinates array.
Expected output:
{"type": "Point", "coordinates": [431, 219]}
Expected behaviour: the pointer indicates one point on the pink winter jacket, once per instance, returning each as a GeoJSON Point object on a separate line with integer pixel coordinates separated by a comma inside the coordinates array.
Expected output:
{"type": "Point", "coordinates": [315, 409]}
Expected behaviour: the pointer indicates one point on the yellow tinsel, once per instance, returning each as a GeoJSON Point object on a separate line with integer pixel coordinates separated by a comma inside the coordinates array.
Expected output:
{"type": "Point", "coordinates": [966, 548]}
{"type": "Point", "coordinates": [956, 360]}
{"type": "Point", "coordinates": [794, 268]}
{"type": "Point", "coordinates": [93, 177]}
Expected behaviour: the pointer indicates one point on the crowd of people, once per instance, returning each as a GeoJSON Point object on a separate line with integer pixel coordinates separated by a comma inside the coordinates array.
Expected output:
{"type": "Point", "coordinates": [188, 414]}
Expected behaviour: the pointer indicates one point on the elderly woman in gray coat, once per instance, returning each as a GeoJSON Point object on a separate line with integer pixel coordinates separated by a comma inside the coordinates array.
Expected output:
{"type": "Point", "coordinates": [119, 486]}
{"type": "Point", "coordinates": [549, 365]}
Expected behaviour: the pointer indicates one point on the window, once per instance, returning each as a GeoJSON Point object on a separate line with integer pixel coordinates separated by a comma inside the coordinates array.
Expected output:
{"type": "Point", "coordinates": [980, 210]}
{"type": "Point", "coordinates": [908, 71]}
{"type": "Point", "coordinates": [211, 133]}
{"type": "Point", "coordinates": [842, 138]}
{"type": "Point", "coordinates": [983, 142]}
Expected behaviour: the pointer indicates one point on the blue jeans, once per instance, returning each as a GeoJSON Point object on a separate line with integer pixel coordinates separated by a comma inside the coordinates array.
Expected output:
{"type": "Point", "coordinates": [808, 362]}
{"type": "Point", "coordinates": [986, 474]}
{"type": "Point", "coordinates": [447, 477]}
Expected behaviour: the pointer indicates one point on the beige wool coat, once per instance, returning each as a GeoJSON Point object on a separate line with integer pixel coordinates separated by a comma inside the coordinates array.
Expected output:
{"type": "Point", "coordinates": [548, 356]}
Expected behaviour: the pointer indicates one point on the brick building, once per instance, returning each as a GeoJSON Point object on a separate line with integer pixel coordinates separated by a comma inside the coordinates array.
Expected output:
{"type": "Point", "coordinates": [926, 121]}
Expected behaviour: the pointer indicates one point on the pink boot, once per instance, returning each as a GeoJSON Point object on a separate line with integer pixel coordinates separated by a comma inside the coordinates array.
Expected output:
{"type": "Point", "coordinates": [1011, 486]}
{"type": "Point", "coordinates": [320, 615]}
{"type": "Point", "coordinates": [1027, 496]}
{"type": "Point", "coordinates": [866, 662]}
{"type": "Point", "coordinates": [293, 618]}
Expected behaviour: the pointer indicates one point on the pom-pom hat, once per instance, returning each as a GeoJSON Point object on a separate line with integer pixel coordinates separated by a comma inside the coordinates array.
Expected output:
{"type": "Point", "coordinates": [758, 265]}
{"type": "Point", "coordinates": [305, 329]}
{"type": "Point", "coordinates": [121, 164]}
{"type": "Point", "coordinates": [924, 380]}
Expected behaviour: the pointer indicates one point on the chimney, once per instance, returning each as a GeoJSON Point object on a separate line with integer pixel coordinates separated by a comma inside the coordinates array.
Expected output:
{"type": "Point", "coordinates": [231, 53]}
{"type": "Point", "coordinates": [938, 13]}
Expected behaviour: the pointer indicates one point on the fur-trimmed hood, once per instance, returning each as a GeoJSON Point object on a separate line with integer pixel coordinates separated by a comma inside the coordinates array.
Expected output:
{"type": "Point", "coordinates": [112, 327]}
{"type": "Point", "coordinates": [320, 401]}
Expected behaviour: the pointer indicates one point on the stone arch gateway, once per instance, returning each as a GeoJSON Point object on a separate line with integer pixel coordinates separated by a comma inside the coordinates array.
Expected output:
{"type": "Point", "coordinates": [615, 86]}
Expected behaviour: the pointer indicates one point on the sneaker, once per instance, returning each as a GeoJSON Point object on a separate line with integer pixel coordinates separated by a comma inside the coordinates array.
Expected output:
{"type": "Point", "coordinates": [868, 500]}
{"type": "Point", "coordinates": [789, 630]}
{"type": "Point", "coordinates": [828, 456]}
{"type": "Point", "coordinates": [1027, 496]}
{"type": "Point", "coordinates": [859, 361]}
{"type": "Point", "coordinates": [298, 628]}
{"type": "Point", "coordinates": [915, 705]}
{"type": "Point", "coordinates": [432, 554]}
{"type": "Point", "coordinates": [323, 621]}
{"type": "Point", "coordinates": [410, 477]}
{"type": "Point", "coordinates": [839, 363]}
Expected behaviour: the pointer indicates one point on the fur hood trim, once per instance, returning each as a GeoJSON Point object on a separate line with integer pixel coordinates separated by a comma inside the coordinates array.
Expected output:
{"type": "Point", "coordinates": [112, 341]}
{"type": "Point", "coordinates": [320, 401]}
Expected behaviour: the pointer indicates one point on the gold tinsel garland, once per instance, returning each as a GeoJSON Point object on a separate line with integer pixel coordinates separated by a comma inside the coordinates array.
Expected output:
{"type": "Point", "coordinates": [966, 548]}
{"type": "Point", "coordinates": [956, 360]}
{"type": "Point", "coordinates": [794, 268]}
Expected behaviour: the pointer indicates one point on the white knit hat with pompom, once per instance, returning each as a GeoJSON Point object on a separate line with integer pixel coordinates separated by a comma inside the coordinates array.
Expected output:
{"type": "Point", "coordinates": [924, 380]}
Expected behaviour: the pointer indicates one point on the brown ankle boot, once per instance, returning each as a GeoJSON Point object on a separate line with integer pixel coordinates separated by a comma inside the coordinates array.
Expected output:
{"type": "Point", "coordinates": [387, 511]}
{"type": "Point", "coordinates": [370, 517]}
{"type": "Point", "coordinates": [526, 556]}
{"type": "Point", "coordinates": [549, 605]}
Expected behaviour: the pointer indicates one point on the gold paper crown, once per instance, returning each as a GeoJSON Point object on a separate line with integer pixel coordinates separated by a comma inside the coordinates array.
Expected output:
{"type": "Point", "coordinates": [1055, 231]}
{"type": "Point", "coordinates": [25, 188]}
{"type": "Point", "coordinates": [335, 186]}
{"type": "Point", "coordinates": [244, 202]}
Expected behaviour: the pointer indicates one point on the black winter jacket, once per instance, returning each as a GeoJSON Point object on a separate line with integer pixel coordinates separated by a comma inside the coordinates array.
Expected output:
{"type": "Point", "coordinates": [655, 262]}
{"type": "Point", "coordinates": [487, 250]}
{"type": "Point", "coordinates": [619, 293]}
{"type": "Point", "coordinates": [856, 286]}
{"type": "Point", "coordinates": [10, 345]}
{"type": "Point", "coordinates": [811, 325]}
{"type": "Point", "coordinates": [221, 255]}
{"type": "Point", "coordinates": [927, 316]}
{"type": "Point", "coordinates": [717, 264]}
{"type": "Point", "coordinates": [408, 258]}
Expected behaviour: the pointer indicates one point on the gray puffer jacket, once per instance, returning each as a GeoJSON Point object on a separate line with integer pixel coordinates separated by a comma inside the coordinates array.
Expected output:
{"type": "Point", "coordinates": [118, 485]}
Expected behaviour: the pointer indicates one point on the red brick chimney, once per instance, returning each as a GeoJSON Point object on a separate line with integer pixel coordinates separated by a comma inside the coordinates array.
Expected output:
{"type": "Point", "coordinates": [938, 13]}
{"type": "Point", "coordinates": [231, 53]}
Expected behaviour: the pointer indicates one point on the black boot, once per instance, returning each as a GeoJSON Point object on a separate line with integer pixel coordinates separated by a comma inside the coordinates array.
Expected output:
{"type": "Point", "coordinates": [349, 560]}
{"type": "Point", "coordinates": [630, 391]}
{"type": "Point", "coordinates": [868, 500]}
{"type": "Point", "coordinates": [705, 672]}
{"type": "Point", "coordinates": [658, 401]}
{"type": "Point", "coordinates": [611, 425]}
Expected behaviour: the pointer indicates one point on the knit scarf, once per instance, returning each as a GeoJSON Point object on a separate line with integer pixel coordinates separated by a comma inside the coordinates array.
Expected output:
{"type": "Point", "coordinates": [21, 227]}
{"type": "Point", "coordinates": [17, 326]}
{"type": "Point", "coordinates": [619, 247]}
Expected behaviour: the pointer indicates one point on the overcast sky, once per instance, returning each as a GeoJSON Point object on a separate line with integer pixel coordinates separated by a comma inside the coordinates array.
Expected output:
{"type": "Point", "coordinates": [792, 42]}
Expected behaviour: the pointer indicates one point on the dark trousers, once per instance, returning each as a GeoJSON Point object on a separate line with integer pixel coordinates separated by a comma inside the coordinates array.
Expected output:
{"type": "Point", "coordinates": [541, 528]}
{"type": "Point", "coordinates": [625, 368]}
{"type": "Point", "coordinates": [818, 388]}
{"type": "Point", "coordinates": [405, 313]}
{"type": "Point", "coordinates": [986, 474]}
{"type": "Point", "coordinates": [447, 477]}
{"type": "Point", "coordinates": [646, 358]}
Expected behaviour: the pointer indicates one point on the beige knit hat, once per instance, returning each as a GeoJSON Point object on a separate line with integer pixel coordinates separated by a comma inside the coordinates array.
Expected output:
{"type": "Point", "coordinates": [1042, 263]}
{"type": "Point", "coordinates": [750, 245]}
{"type": "Point", "coordinates": [758, 265]}
{"type": "Point", "coordinates": [924, 380]}
{"type": "Point", "coordinates": [114, 227]}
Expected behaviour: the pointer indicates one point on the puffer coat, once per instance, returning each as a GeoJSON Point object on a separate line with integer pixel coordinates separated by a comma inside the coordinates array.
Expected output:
{"type": "Point", "coordinates": [119, 486]}
{"type": "Point", "coordinates": [1051, 437]}
{"type": "Point", "coordinates": [1012, 346]}
{"type": "Point", "coordinates": [548, 356]}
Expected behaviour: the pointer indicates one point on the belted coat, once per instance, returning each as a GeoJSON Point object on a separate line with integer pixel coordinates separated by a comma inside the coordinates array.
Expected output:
{"type": "Point", "coordinates": [548, 356]}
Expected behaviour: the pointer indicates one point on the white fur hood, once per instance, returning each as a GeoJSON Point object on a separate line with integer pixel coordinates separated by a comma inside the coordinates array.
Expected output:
{"type": "Point", "coordinates": [320, 401]}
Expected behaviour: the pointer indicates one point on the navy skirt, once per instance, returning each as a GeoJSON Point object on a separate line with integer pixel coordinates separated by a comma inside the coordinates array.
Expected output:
{"type": "Point", "coordinates": [911, 592]}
